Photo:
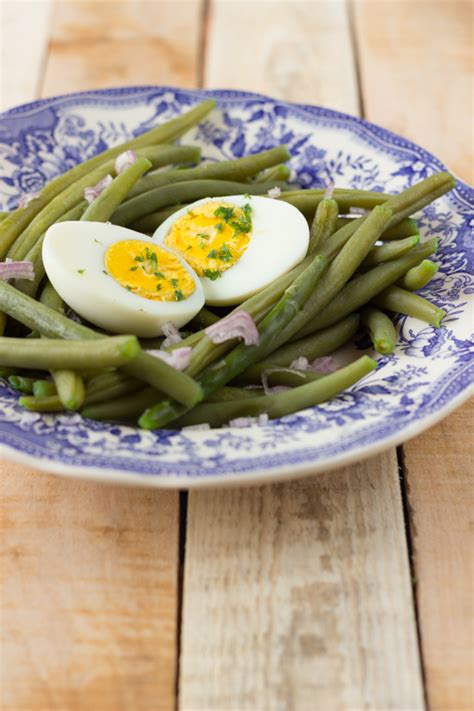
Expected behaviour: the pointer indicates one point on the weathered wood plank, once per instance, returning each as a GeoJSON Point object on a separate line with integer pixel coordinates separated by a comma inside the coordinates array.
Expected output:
{"type": "Point", "coordinates": [101, 44]}
{"type": "Point", "coordinates": [439, 474]}
{"type": "Point", "coordinates": [426, 105]}
{"type": "Point", "coordinates": [21, 62]}
{"type": "Point", "coordinates": [297, 596]}
{"type": "Point", "coordinates": [88, 595]}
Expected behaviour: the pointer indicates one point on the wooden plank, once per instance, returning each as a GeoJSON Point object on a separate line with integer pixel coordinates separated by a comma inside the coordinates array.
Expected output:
{"type": "Point", "coordinates": [416, 72]}
{"type": "Point", "coordinates": [439, 474]}
{"type": "Point", "coordinates": [297, 596]}
{"type": "Point", "coordinates": [425, 105]}
{"type": "Point", "coordinates": [21, 62]}
{"type": "Point", "coordinates": [88, 595]}
{"type": "Point", "coordinates": [90, 572]}
{"type": "Point", "coordinates": [101, 44]}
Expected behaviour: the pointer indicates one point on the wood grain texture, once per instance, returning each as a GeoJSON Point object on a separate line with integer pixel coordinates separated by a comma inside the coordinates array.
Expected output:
{"type": "Point", "coordinates": [297, 51]}
{"type": "Point", "coordinates": [430, 105]}
{"type": "Point", "coordinates": [109, 43]}
{"type": "Point", "coordinates": [416, 73]}
{"type": "Point", "coordinates": [297, 596]}
{"type": "Point", "coordinates": [439, 474]}
{"type": "Point", "coordinates": [88, 595]}
{"type": "Point", "coordinates": [22, 62]}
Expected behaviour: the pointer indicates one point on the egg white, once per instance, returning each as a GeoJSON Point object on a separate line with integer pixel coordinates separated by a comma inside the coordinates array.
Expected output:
{"type": "Point", "coordinates": [73, 256]}
{"type": "Point", "coordinates": [278, 242]}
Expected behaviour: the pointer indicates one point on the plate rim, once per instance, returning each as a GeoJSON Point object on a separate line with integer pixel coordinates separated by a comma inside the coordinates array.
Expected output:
{"type": "Point", "coordinates": [257, 476]}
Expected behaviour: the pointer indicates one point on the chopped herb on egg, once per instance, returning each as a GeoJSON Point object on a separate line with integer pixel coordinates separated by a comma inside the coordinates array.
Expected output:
{"type": "Point", "coordinates": [133, 269]}
{"type": "Point", "coordinates": [178, 295]}
{"type": "Point", "coordinates": [158, 287]}
{"type": "Point", "coordinates": [227, 213]}
{"type": "Point", "coordinates": [174, 282]}
{"type": "Point", "coordinates": [212, 254]}
{"type": "Point", "coordinates": [219, 226]}
{"type": "Point", "coordinates": [97, 241]}
{"type": "Point", "coordinates": [244, 223]}
{"type": "Point", "coordinates": [104, 272]}
{"type": "Point", "coordinates": [212, 274]}
{"type": "Point", "coordinates": [203, 235]}
{"type": "Point", "coordinates": [202, 245]}
{"type": "Point", "coordinates": [225, 255]}
{"type": "Point", "coordinates": [159, 275]}
{"type": "Point", "coordinates": [139, 258]}
{"type": "Point", "coordinates": [81, 271]}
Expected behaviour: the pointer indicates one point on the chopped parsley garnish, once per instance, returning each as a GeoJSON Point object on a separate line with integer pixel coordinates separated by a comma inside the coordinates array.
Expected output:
{"type": "Point", "coordinates": [153, 259]}
{"type": "Point", "coordinates": [225, 255]}
{"type": "Point", "coordinates": [104, 272]}
{"type": "Point", "coordinates": [212, 274]}
{"type": "Point", "coordinates": [159, 275]}
{"type": "Point", "coordinates": [174, 282]}
{"type": "Point", "coordinates": [219, 226]}
{"type": "Point", "coordinates": [227, 213]}
{"type": "Point", "coordinates": [81, 271]}
{"type": "Point", "coordinates": [212, 254]}
{"type": "Point", "coordinates": [158, 287]}
{"type": "Point", "coordinates": [129, 288]}
{"type": "Point", "coordinates": [178, 295]}
{"type": "Point", "coordinates": [202, 244]}
{"type": "Point", "coordinates": [139, 258]}
{"type": "Point", "coordinates": [96, 240]}
{"type": "Point", "coordinates": [244, 223]}
{"type": "Point", "coordinates": [133, 269]}
{"type": "Point", "coordinates": [189, 247]}
{"type": "Point", "coordinates": [203, 235]}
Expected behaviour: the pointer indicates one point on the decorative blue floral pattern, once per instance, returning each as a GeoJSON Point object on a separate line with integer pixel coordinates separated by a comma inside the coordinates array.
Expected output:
{"type": "Point", "coordinates": [430, 370]}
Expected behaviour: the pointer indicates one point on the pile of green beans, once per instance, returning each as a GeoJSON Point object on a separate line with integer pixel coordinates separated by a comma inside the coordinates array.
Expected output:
{"type": "Point", "coordinates": [358, 271]}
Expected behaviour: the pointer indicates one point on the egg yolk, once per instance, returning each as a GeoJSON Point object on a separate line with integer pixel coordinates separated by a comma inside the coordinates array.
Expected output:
{"type": "Point", "coordinates": [148, 271]}
{"type": "Point", "coordinates": [212, 237]}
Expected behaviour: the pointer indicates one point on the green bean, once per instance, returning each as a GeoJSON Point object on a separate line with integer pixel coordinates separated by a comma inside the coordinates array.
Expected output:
{"type": "Point", "coordinates": [149, 223]}
{"type": "Point", "coordinates": [324, 224]}
{"type": "Point", "coordinates": [3, 215]}
{"type": "Point", "coordinates": [6, 372]}
{"type": "Point", "coordinates": [203, 319]}
{"type": "Point", "coordinates": [308, 202]}
{"type": "Point", "coordinates": [71, 197]}
{"type": "Point", "coordinates": [277, 172]}
{"type": "Point", "coordinates": [418, 277]}
{"type": "Point", "coordinates": [315, 346]}
{"type": "Point", "coordinates": [381, 330]}
{"type": "Point", "coordinates": [235, 170]}
{"type": "Point", "coordinates": [276, 375]}
{"type": "Point", "coordinates": [405, 302]}
{"type": "Point", "coordinates": [389, 251]}
{"type": "Point", "coordinates": [227, 394]}
{"type": "Point", "coordinates": [49, 354]}
{"type": "Point", "coordinates": [44, 388]}
{"type": "Point", "coordinates": [406, 228]}
{"type": "Point", "coordinates": [69, 384]}
{"type": "Point", "coordinates": [242, 356]}
{"type": "Point", "coordinates": [365, 287]}
{"type": "Point", "coordinates": [3, 323]}
{"type": "Point", "coordinates": [183, 192]}
{"type": "Point", "coordinates": [284, 403]}
{"type": "Point", "coordinates": [19, 219]}
{"type": "Point", "coordinates": [50, 403]}
{"type": "Point", "coordinates": [21, 383]}
{"type": "Point", "coordinates": [121, 386]}
{"type": "Point", "coordinates": [103, 207]}
{"type": "Point", "coordinates": [146, 367]}
{"type": "Point", "coordinates": [122, 408]}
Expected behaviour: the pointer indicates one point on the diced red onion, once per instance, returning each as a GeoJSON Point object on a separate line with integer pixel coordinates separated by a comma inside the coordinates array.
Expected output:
{"type": "Point", "coordinates": [274, 192]}
{"type": "Point", "coordinates": [329, 190]}
{"type": "Point", "coordinates": [90, 194]}
{"type": "Point", "coordinates": [16, 270]}
{"type": "Point", "coordinates": [318, 365]}
{"type": "Point", "coordinates": [179, 358]}
{"type": "Point", "coordinates": [26, 199]}
{"type": "Point", "coordinates": [237, 325]}
{"type": "Point", "coordinates": [248, 421]}
{"type": "Point", "coordinates": [276, 388]}
{"type": "Point", "coordinates": [358, 211]}
{"type": "Point", "coordinates": [171, 333]}
{"type": "Point", "coordinates": [124, 161]}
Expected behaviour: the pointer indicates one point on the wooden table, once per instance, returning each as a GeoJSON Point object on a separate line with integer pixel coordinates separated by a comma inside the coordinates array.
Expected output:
{"type": "Point", "coordinates": [349, 590]}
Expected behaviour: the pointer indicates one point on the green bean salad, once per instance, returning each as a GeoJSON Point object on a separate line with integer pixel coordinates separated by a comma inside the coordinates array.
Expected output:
{"type": "Point", "coordinates": [149, 287]}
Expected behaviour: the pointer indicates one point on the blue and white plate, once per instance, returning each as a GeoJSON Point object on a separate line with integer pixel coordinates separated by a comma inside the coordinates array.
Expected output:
{"type": "Point", "coordinates": [428, 376]}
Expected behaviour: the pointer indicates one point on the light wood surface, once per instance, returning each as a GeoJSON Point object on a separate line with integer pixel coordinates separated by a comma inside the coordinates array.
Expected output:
{"type": "Point", "coordinates": [296, 596]}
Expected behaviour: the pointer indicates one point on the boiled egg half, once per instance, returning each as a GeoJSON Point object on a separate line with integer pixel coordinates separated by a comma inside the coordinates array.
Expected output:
{"type": "Point", "coordinates": [119, 279]}
{"type": "Point", "coordinates": [237, 244]}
